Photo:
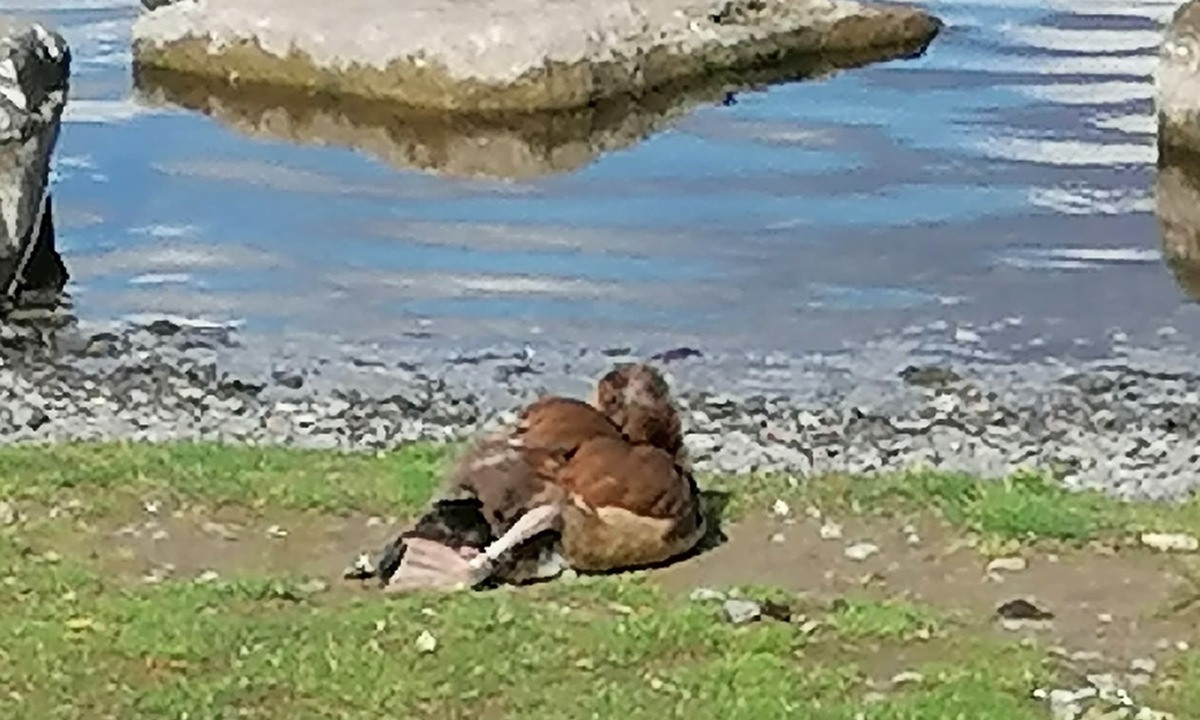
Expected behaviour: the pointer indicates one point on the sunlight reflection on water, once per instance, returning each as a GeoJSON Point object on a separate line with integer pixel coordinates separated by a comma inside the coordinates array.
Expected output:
{"type": "Point", "coordinates": [1011, 167]}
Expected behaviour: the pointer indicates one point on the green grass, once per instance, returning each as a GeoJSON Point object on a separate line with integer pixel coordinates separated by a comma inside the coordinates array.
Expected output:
{"type": "Point", "coordinates": [105, 475]}
{"type": "Point", "coordinates": [80, 645]}
{"type": "Point", "coordinates": [855, 619]}
{"type": "Point", "coordinates": [1182, 689]}
{"type": "Point", "coordinates": [1026, 506]}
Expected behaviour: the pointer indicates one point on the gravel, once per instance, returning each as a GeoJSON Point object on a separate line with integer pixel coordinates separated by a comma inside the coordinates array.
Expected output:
{"type": "Point", "coordinates": [1125, 424]}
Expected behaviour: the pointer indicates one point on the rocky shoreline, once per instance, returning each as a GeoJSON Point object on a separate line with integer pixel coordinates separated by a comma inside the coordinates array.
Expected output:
{"type": "Point", "coordinates": [1121, 425]}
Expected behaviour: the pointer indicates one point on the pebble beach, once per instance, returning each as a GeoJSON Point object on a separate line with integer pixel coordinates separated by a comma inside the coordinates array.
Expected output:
{"type": "Point", "coordinates": [1122, 424]}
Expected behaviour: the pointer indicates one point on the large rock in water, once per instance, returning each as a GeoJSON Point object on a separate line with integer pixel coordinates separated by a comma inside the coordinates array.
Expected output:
{"type": "Point", "coordinates": [1177, 80]}
{"type": "Point", "coordinates": [34, 68]}
{"type": "Point", "coordinates": [507, 55]}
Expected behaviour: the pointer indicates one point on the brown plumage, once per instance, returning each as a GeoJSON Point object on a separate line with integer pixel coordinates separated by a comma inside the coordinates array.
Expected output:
{"type": "Point", "coordinates": [607, 477]}
{"type": "Point", "coordinates": [503, 475]}
{"type": "Point", "coordinates": [637, 399]}
{"type": "Point", "coordinates": [508, 470]}
{"type": "Point", "coordinates": [628, 505]}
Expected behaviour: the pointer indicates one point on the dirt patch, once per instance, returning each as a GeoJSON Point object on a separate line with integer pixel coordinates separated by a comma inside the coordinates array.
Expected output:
{"type": "Point", "coordinates": [1111, 604]}
{"type": "Point", "coordinates": [233, 543]}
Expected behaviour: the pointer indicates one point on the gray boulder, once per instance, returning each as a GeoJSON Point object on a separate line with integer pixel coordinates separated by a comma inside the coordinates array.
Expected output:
{"type": "Point", "coordinates": [1177, 80]}
{"type": "Point", "coordinates": [508, 55]}
{"type": "Point", "coordinates": [34, 69]}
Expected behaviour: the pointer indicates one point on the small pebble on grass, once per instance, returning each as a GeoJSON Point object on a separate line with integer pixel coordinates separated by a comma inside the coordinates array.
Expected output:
{"type": "Point", "coordinates": [426, 642]}
{"type": "Point", "coordinates": [1007, 564]}
{"type": "Point", "coordinates": [831, 531]}
{"type": "Point", "coordinates": [861, 551]}
{"type": "Point", "coordinates": [1171, 542]}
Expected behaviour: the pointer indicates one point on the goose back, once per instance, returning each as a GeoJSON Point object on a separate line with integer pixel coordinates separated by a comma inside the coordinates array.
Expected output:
{"type": "Point", "coordinates": [630, 505]}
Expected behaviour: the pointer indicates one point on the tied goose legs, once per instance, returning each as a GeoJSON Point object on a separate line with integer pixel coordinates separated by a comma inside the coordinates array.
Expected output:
{"type": "Point", "coordinates": [430, 564]}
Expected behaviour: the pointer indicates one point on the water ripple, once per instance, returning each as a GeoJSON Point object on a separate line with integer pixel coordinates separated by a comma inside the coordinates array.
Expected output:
{"type": "Point", "coordinates": [959, 185]}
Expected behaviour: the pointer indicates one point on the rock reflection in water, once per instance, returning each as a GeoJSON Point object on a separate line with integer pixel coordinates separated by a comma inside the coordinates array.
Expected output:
{"type": "Point", "coordinates": [1177, 205]}
{"type": "Point", "coordinates": [511, 147]}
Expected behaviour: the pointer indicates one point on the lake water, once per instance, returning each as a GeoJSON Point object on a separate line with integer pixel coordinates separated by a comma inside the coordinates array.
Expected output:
{"type": "Point", "coordinates": [1003, 182]}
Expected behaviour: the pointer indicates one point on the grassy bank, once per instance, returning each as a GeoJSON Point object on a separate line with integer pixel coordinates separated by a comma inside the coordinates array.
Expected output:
{"type": "Point", "coordinates": [82, 641]}
{"type": "Point", "coordinates": [1027, 507]}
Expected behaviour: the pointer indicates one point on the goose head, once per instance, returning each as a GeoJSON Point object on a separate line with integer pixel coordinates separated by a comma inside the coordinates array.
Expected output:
{"type": "Point", "coordinates": [637, 398]}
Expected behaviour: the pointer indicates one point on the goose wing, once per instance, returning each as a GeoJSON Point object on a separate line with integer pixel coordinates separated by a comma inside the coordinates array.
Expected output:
{"type": "Point", "coordinates": [515, 468]}
{"type": "Point", "coordinates": [560, 425]}
{"type": "Point", "coordinates": [641, 479]}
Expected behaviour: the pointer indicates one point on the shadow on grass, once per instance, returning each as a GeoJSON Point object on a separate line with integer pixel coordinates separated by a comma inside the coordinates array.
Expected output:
{"type": "Point", "coordinates": [715, 504]}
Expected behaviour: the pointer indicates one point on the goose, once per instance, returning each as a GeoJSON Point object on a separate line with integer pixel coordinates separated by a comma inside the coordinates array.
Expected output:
{"type": "Point", "coordinates": [632, 401]}
{"type": "Point", "coordinates": [596, 486]}
{"type": "Point", "coordinates": [497, 472]}
{"type": "Point", "coordinates": [493, 481]}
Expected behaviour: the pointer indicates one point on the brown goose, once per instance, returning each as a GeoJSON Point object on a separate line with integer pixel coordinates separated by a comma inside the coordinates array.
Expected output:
{"type": "Point", "coordinates": [595, 487]}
